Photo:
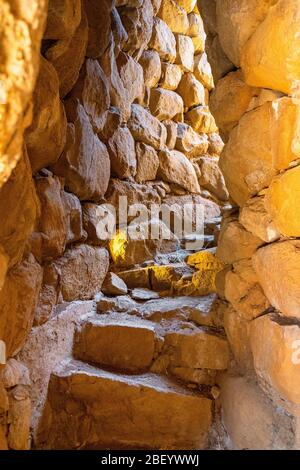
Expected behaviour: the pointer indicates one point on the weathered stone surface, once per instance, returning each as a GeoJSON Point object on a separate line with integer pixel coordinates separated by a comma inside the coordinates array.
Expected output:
{"type": "Point", "coordinates": [82, 270]}
{"type": "Point", "coordinates": [216, 144]}
{"type": "Point", "coordinates": [99, 26]}
{"type": "Point", "coordinates": [203, 281]}
{"type": "Point", "coordinates": [46, 346]}
{"type": "Point", "coordinates": [208, 13]}
{"type": "Point", "coordinates": [243, 291]}
{"type": "Point", "coordinates": [264, 142]}
{"type": "Point", "coordinates": [202, 71]}
{"type": "Point", "coordinates": [49, 295]}
{"type": "Point", "coordinates": [275, 347]}
{"type": "Point", "coordinates": [63, 18]}
{"type": "Point", "coordinates": [92, 90]}
{"type": "Point", "coordinates": [250, 418]}
{"type": "Point", "coordinates": [237, 329]}
{"type": "Point", "coordinates": [135, 193]}
{"type": "Point", "coordinates": [212, 178]}
{"type": "Point", "coordinates": [3, 266]}
{"type": "Point", "coordinates": [277, 268]}
{"type": "Point", "coordinates": [174, 167]}
{"type": "Point", "coordinates": [185, 52]}
{"type": "Point", "coordinates": [196, 348]}
{"type": "Point", "coordinates": [146, 128]}
{"type": "Point", "coordinates": [255, 218]}
{"type": "Point", "coordinates": [138, 23]}
{"type": "Point", "coordinates": [188, 5]}
{"type": "Point", "coordinates": [85, 162]}
{"type": "Point", "coordinates": [21, 30]}
{"type": "Point", "coordinates": [236, 243]}
{"type": "Point", "coordinates": [19, 210]}
{"type": "Point", "coordinates": [46, 137]}
{"type": "Point", "coordinates": [219, 62]}
{"type": "Point", "coordinates": [191, 91]}
{"type": "Point", "coordinates": [166, 277]}
{"type": "Point", "coordinates": [119, 32]}
{"type": "Point", "coordinates": [190, 142]}
{"type": "Point", "coordinates": [150, 61]}
{"type": "Point", "coordinates": [234, 95]}
{"type": "Point", "coordinates": [119, 341]}
{"type": "Point", "coordinates": [18, 299]}
{"type": "Point", "coordinates": [67, 56]}
{"type": "Point", "coordinates": [19, 416]}
{"type": "Point", "coordinates": [237, 21]}
{"type": "Point", "coordinates": [196, 30]}
{"type": "Point", "coordinates": [283, 202]}
{"type": "Point", "coordinates": [163, 40]}
{"type": "Point", "coordinates": [122, 154]}
{"type": "Point", "coordinates": [139, 293]}
{"type": "Point", "coordinates": [201, 120]}
{"type": "Point", "coordinates": [119, 304]}
{"type": "Point", "coordinates": [174, 16]}
{"type": "Point", "coordinates": [14, 373]}
{"type": "Point", "coordinates": [137, 244]}
{"type": "Point", "coordinates": [93, 215]}
{"type": "Point", "coordinates": [113, 285]}
{"type": "Point", "coordinates": [73, 214]}
{"type": "Point", "coordinates": [147, 163]}
{"type": "Point", "coordinates": [166, 104]}
{"type": "Point", "coordinates": [170, 76]}
{"type": "Point", "coordinates": [277, 37]}
{"type": "Point", "coordinates": [119, 95]}
{"type": "Point", "coordinates": [129, 397]}
{"type": "Point", "coordinates": [200, 310]}
{"type": "Point", "coordinates": [132, 77]}
{"type": "Point", "coordinates": [156, 6]}
{"type": "Point", "coordinates": [171, 127]}
{"type": "Point", "coordinates": [211, 209]}
{"type": "Point", "coordinates": [113, 121]}
{"type": "Point", "coordinates": [52, 223]}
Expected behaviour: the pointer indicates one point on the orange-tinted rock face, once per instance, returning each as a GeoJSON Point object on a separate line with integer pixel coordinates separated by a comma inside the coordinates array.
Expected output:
{"type": "Point", "coordinates": [257, 110]}
{"type": "Point", "coordinates": [116, 99]}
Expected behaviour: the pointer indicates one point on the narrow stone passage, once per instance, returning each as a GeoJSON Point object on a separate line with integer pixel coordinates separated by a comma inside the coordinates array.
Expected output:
{"type": "Point", "coordinates": [172, 345]}
{"type": "Point", "coordinates": [149, 224]}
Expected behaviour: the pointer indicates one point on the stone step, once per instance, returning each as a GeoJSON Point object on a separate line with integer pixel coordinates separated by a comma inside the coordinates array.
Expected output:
{"type": "Point", "coordinates": [201, 310]}
{"type": "Point", "coordinates": [119, 341]}
{"type": "Point", "coordinates": [89, 408]}
{"type": "Point", "coordinates": [128, 343]}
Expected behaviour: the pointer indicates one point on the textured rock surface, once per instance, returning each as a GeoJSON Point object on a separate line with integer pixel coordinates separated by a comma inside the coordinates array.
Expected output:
{"type": "Point", "coordinates": [251, 419]}
{"type": "Point", "coordinates": [120, 342]}
{"type": "Point", "coordinates": [174, 167]}
{"type": "Point", "coordinates": [82, 270]}
{"type": "Point", "coordinates": [21, 33]}
{"type": "Point", "coordinates": [277, 37]}
{"type": "Point", "coordinates": [19, 209]}
{"type": "Point", "coordinates": [275, 347]}
{"type": "Point", "coordinates": [277, 269]}
{"type": "Point", "coordinates": [134, 81]}
{"type": "Point", "coordinates": [172, 430]}
{"type": "Point", "coordinates": [18, 299]}
{"type": "Point", "coordinates": [85, 163]}
{"type": "Point", "coordinates": [46, 137]}
{"type": "Point", "coordinates": [282, 203]}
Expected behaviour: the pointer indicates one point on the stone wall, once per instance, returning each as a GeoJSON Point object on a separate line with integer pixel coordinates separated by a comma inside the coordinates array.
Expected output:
{"type": "Point", "coordinates": [120, 107]}
{"type": "Point", "coordinates": [106, 99]}
{"type": "Point", "coordinates": [256, 106]}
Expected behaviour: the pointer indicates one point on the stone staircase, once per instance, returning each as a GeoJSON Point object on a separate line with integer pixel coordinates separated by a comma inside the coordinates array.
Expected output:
{"type": "Point", "coordinates": [142, 371]}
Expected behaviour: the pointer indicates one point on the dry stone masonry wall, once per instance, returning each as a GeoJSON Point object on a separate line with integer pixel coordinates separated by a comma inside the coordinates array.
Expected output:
{"type": "Point", "coordinates": [110, 98]}
{"type": "Point", "coordinates": [256, 107]}
{"type": "Point", "coordinates": [99, 99]}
